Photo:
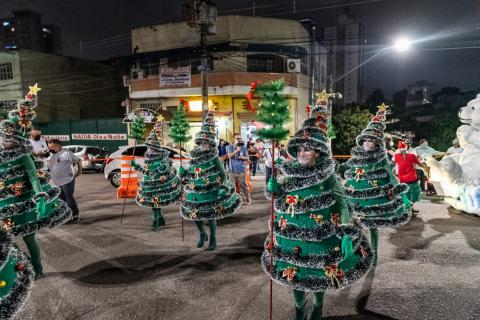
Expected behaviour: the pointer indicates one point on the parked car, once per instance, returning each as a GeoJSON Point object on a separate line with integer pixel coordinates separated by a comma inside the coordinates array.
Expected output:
{"type": "Point", "coordinates": [92, 157]}
{"type": "Point", "coordinates": [112, 164]}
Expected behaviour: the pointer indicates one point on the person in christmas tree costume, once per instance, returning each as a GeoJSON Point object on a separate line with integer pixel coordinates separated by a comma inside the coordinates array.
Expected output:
{"type": "Point", "coordinates": [16, 276]}
{"type": "Point", "coordinates": [27, 201]}
{"type": "Point", "coordinates": [315, 246]}
{"type": "Point", "coordinates": [209, 195]}
{"type": "Point", "coordinates": [160, 185]}
{"type": "Point", "coordinates": [371, 185]}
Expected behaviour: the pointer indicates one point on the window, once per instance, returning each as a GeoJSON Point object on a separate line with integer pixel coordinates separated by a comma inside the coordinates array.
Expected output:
{"type": "Point", "coordinates": [6, 71]}
{"type": "Point", "coordinates": [265, 63]}
{"type": "Point", "coordinates": [139, 151]}
{"type": "Point", "coordinates": [8, 105]}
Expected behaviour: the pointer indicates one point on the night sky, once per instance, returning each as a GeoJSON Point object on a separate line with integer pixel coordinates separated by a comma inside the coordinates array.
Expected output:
{"type": "Point", "coordinates": [449, 29]}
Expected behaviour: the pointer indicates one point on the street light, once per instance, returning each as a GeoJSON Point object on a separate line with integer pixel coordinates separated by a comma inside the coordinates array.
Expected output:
{"type": "Point", "coordinates": [402, 44]}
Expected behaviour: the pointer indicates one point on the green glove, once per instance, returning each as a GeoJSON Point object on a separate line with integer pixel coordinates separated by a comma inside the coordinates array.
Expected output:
{"type": "Point", "coordinates": [279, 161]}
{"type": "Point", "coordinates": [133, 163]}
{"type": "Point", "coordinates": [41, 208]}
{"type": "Point", "coordinates": [272, 185]}
{"type": "Point", "coordinates": [181, 171]}
{"type": "Point", "coordinates": [221, 194]}
{"type": "Point", "coordinates": [347, 247]}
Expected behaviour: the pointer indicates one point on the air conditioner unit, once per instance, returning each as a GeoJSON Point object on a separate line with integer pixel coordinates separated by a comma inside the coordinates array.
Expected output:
{"type": "Point", "coordinates": [293, 65]}
{"type": "Point", "coordinates": [127, 81]}
{"type": "Point", "coordinates": [136, 74]}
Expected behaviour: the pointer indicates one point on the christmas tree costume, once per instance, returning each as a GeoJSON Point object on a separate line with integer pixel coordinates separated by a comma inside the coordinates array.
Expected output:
{"type": "Point", "coordinates": [27, 201]}
{"type": "Point", "coordinates": [209, 195]}
{"type": "Point", "coordinates": [371, 185]}
{"type": "Point", "coordinates": [16, 276]}
{"type": "Point", "coordinates": [315, 245]}
{"type": "Point", "coordinates": [160, 185]}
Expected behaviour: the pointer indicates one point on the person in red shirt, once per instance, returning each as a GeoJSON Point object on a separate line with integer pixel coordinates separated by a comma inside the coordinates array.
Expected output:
{"type": "Point", "coordinates": [406, 172]}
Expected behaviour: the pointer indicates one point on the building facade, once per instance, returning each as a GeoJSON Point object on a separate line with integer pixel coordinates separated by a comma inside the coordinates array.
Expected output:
{"type": "Point", "coordinates": [71, 88]}
{"type": "Point", "coordinates": [345, 44]}
{"type": "Point", "coordinates": [243, 50]}
{"type": "Point", "coordinates": [26, 30]}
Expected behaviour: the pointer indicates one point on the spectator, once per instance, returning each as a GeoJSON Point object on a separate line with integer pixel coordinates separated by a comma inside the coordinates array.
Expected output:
{"type": "Point", "coordinates": [238, 155]}
{"type": "Point", "coordinates": [283, 152]}
{"type": "Point", "coordinates": [389, 147]}
{"type": "Point", "coordinates": [267, 156]}
{"type": "Point", "coordinates": [259, 147]}
{"type": "Point", "coordinates": [40, 148]}
{"type": "Point", "coordinates": [405, 163]}
{"type": "Point", "coordinates": [421, 150]}
{"type": "Point", "coordinates": [455, 148]}
{"type": "Point", "coordinates": [61, 167]}
{"type": "Point", "coordinates": [253, 156]}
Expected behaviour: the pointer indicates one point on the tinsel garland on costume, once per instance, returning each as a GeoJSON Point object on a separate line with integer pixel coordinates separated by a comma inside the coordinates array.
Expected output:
{"type": "Point", "coordinates": [371, 185]}
{"type": "Point", "coordinates": [333, 277]}
{"type": "Point", "coordinates": [309, 209]}
{"type": "Point", "coordinates": [14, 266]}
{"type": "Point", "coordinates": [208, 192]}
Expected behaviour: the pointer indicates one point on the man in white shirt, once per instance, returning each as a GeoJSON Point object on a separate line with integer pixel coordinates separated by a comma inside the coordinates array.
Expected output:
{"type": "Point", "coordinates": [267, 156]}
{"type": "Point", "coordinates": [61, 167]}
{"type": "Point", "coordinates": [455, 148]}
{"type": "Point", "coordinates": [40, 148]}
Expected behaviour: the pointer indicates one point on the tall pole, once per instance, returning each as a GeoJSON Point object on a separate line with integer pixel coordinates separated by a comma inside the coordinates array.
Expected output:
{"type": "Point", "coordinates": [204, 67]}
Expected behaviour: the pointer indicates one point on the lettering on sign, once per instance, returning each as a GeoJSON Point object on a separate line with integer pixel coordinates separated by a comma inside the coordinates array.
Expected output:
{"type": "Point", "coordinates": [99, 136]}
{"type": "Point", "coordinates": [180, 77]}
{"type": "Point", "coordinates": [60, 137]}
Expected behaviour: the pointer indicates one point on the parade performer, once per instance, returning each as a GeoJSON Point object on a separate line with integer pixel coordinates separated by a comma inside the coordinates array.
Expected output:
{"type": "Point", "coordinates": [315, 245]}
{"type": "Point", "coordinates": [27, 201]}
{"type": "Point", "coordinates": [209, 195]}
{"type": "Point", "coordinates": [160, 185]}
{"type": "Point", "coordinates": [371, 185]}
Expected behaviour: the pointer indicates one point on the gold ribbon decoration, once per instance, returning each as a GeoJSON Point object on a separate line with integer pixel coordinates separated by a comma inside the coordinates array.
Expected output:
{"type": "Point", "coordinates": [335, 274]}
{"type": "Point", "coordinates": [282, 223]}
{"type": "Point", "coordinates": [289, 273]}
{"type": "Point", "coordinates": [197, 172]}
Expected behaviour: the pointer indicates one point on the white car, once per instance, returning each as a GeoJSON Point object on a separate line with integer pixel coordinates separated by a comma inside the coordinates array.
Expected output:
{"type": "Point", "coordinates": [112, 166]}
{"type": "Point", "coordinates": [89, 156]}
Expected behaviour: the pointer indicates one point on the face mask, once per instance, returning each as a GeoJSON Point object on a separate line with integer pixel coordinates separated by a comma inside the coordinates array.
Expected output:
{"type": "Point", "coordinates": [36, 138]}
{"type": "Point", "coordinates": [52, 151]}
{"type": "Point", "coordinates": [391, 143]}
{"type": "Point", "coordinates": [425, 144]}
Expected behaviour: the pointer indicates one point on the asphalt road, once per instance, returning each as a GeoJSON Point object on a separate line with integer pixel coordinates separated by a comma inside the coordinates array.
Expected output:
{"type": "Point", "coordinates": [104, 269]}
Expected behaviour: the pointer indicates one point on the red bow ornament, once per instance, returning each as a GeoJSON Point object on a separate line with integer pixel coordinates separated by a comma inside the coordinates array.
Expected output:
{"type": "Point", "coordinates": [291, 201]}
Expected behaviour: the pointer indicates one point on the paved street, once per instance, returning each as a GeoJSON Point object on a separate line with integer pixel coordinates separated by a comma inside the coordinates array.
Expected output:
{"type": "Point", "coordinates": [102, 269]}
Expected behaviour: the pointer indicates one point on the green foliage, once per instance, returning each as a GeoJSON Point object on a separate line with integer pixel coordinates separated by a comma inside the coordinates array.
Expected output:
{"type": "Point", "coordinates": [180, 126]}
{"type": "Point", "coordinates": [273, 110]}
{"type": "Point", "coordinates": [349, 122]}
{"type": "Point", "coordinates": [138, 129]}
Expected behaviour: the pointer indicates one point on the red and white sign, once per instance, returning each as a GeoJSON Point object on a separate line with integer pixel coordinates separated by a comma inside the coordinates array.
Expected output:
{"type": "Point", "coordinates": [60, 137]}
{"type": "Point", "coordinates": [180, 77]}
{"type": "Point", "coordinates": [99, 136]}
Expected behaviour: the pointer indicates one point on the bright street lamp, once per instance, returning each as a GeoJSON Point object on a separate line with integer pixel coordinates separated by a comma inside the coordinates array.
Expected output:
{"type": "Point", "coordinates": [402, 44]}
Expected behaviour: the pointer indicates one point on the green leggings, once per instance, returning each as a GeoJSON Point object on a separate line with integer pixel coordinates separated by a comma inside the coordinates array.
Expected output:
{"type": "Point", "coordinates": [213, 228]}
{"type": "Point", "coordinates": [34, 250]}
{"type": "Point", "coordinates": [300, 302]}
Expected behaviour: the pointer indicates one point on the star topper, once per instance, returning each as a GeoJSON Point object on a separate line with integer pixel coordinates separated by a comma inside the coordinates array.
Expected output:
{"type": "Point", "coordinates": [34, 89]}
{"type": "Point", "coordinates": [323, 96]}
{"type": "Point", "coordinates": [383, 107]}
{"type": "Point", "coordinates": [160, 118]}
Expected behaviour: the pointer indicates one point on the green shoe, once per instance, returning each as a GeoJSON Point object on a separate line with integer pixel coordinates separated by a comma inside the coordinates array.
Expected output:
{"type": "Point", "coordinates": [201, 241]}
{"type": "Point", "coordinates": [161, 221]}
{"type": "Point", "coordinates": [316, 313]}
{"type": "Point", "coordinates": [213, 244]}
{"type": "Point", "coordinates": [300, 313]}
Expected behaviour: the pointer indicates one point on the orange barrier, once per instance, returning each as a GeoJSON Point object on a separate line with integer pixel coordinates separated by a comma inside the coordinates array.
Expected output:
{"type": "Point", "coordinates": [129, 179]}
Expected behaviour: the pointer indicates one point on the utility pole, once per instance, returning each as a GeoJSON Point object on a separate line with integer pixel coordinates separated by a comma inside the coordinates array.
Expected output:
{"type": "Point", "coordinates": [312, 67]}
{"type": "Point", "coordinates": [202, 15]}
